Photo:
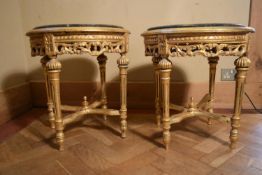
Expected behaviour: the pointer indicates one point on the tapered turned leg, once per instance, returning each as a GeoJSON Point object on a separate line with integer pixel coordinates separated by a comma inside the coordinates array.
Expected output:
{"type": "Point", "coordinates": [102, 66]}
{"type": "Point", "coordinates": [212, 75]}
{"type": "Point", "coordinates": [165, 67]}
{"type": "Point", "coordinates": [123, 65]}
{"type": "Point", "coordinates": [242, 65]}
{"type": "Point", "coordinates": [155, 61]}
{"type": "Point", "coordinates": [54, 69]}
{"type": "Point", "coordinates": [50, 105]}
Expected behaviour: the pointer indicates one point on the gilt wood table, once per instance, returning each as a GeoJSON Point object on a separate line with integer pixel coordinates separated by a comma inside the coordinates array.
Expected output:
{"type": "Point", "coordinates": [95, 39]}
{"type": "Point", "coordinates": [208, 40]}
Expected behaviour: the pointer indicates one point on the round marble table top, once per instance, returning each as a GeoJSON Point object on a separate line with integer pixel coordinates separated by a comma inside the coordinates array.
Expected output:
{"type": "Point", "coordinates": [196, 25]}
{"type": "Point", "coordinates": [77, 25]}
{"type": "Point", "coordinates": [209, 40]}
{"type": "Point", "coordinates": [94, 39]}
{"type": "Point", "coordinates": [200, 28]}
{"type": "Point", "coordinates": [83, 28]}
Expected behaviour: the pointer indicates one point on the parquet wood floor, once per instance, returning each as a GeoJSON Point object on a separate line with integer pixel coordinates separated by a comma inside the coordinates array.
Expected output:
{"type": "Point", "coordinates": [93, 147]}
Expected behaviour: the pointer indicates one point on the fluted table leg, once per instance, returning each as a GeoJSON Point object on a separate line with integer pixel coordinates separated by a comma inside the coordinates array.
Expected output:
{"type": "Point", "coordinates": [102, 66]}
{"type": "Point", "coordinates": [155, 61]}
{"type": "Point", "coordinates": [212, 76]}
{"type": "Point", "coordinates": [242, 65]}
{"type": "Point", "coordinates": [123, 65]}
{"type": "Point", "coordinates": [54, 69]}
{"type": "Point", "coordinates": [50, 105]}
{"type": "Point", "coordinates": [165, 67]}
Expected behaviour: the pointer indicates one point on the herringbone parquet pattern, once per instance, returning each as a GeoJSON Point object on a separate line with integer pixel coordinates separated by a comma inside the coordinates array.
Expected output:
{"type": "Point", "coordinates": [93, 146]}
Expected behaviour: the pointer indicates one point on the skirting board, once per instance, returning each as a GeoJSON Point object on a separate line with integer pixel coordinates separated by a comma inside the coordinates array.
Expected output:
{"type": "Point", "coordinates": [140, 95]}
{"type": "Point", "coordinates": [15, 101]}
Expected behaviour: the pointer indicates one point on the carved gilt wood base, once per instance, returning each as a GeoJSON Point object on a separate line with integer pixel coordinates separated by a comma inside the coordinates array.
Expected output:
{"type": "Point", "coordinates": [208, 40]}
{"type": "Point", "coordinates": [96, 40]}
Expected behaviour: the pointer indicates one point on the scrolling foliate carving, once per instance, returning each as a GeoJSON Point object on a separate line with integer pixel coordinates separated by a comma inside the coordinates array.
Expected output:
{"type": "Point", "coordinates": [152, 50]}
{"type": "Point", "coordinates": [208, 46]}
{"type": "Point", "coordinates": [93, 47]}
{"type": "Point", "coordinates": [78, 44]}
{"type": "Point", "coordinates": [207, 50]}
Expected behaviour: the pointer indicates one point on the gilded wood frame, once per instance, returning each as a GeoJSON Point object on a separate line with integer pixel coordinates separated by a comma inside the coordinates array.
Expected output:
{"type": "Point", "coordinates": [51, 42]}
{"type": "Point", "coordinates": [211, 42]}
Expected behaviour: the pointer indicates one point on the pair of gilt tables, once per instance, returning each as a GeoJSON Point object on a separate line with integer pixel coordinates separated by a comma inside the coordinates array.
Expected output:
{"type": "Point", "coordinates": [208, 40]}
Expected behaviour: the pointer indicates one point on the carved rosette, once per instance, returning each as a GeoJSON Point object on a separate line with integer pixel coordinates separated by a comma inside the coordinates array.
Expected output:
{"type": "Point", "coordinates": [208, 46]}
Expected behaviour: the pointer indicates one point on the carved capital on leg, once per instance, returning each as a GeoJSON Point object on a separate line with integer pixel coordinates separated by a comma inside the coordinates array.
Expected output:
{"type": "Point", "coordinates": [123, 65]}
{"type": "Point", "coordinates": [242, 65]}
{"type": "Point", "coordinates": [212, 61]}
{"type": "Point", "coordinates": [156, 61]}
{"type": "Point", "coordinates": [53, 65]}
{"type": "Point", "coordinates": [102, 66]}
{"type": "Point", "coordinates": [54, 69]}
{"type": "Point", "coordinates": [165, 66]}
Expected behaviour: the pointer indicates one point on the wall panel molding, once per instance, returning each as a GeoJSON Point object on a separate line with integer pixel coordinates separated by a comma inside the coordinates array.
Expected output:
{"type": "Point", "coordinates": [14, 101]}
{"type": "Point", "coordinates": [140, 95]}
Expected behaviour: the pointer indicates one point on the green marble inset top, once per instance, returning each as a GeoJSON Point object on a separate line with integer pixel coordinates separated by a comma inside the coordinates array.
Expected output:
{"type": "Point", "coordinates": [77, 25]}
{"type": "Point", "coordinates": [77, 28]}
{"type": "Point", "coordinates": [204, 28]}
{"type": "Point", "coordinates": [196, 25]}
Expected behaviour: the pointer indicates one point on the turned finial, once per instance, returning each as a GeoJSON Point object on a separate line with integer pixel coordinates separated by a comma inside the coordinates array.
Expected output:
{"type": "Point", "coordinates": [191, 102]}
{"type": "Point", "coordinates": [85, 102]}
{"type": "Point", "coordinates": [191, 105]}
